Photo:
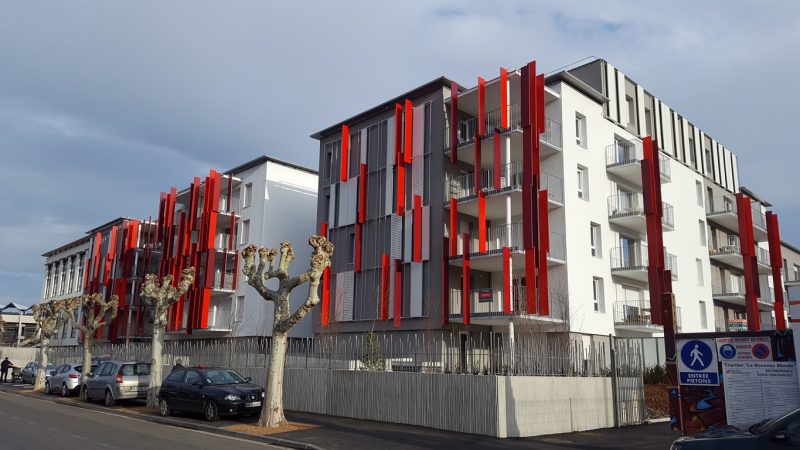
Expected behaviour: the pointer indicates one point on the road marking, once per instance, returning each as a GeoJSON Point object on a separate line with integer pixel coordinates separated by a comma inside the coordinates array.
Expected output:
{"type": "Point", "coordinates": [77, 437]}
{"type": "Point", "coordinates": [32, 423]}
{"type": "Point", "coordinates": [54, 430]}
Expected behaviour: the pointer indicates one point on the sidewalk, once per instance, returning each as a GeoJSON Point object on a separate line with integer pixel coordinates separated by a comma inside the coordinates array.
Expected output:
{"type": "Point", "coordinates": [336, 433]}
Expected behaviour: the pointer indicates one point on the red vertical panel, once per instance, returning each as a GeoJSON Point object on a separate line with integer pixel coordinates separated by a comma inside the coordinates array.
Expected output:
{"type": "Point", "coordinates": [544, 248]}
{"type": "Point", "coordinates": [749, 259]}
{"type": "Point", "coordinates": [453, 121]}
{"type": "Point", "coordinates": [540, 115]}
{"type": "Point", "coordinates": [233, 232]}
{"type": "Point", "coordinates": [445, 282]}
{"type": "Point", "coordinates": [498, 158]}
{"type": "Point", "coordinates": [206, 302]}
{"type": "Point", "coordinates": [506, 280]}
{"type": "Point", "coordinates": [408, 150]}
{"type": "Point", "coordinates": [401, 188]}
{"type": "Point", "coordinates": [398, 133]}
{"type": "Point", "coordinates": [527, 91]}
{"type": "Point", "coordinates": [503, 98]}
{"type": "Point", "coordinates": [235, 269]}
{"type": "Point", "coordinates": [362, 193]}
{"type": "Point", "coordinates": [224, 268]}
{"type": "Point", "coordinates": [398, 292]}
{"type": "Point", "coordinates": [465, 288]}
{"type": "Point", "coordinates": [326, 282]}
{"type": "Point", "coordinates": [453, 227]}
{"type": "Point", "coordinates": [477, 165]}
{"type": "Point", "coordinates": [228, 196]}
{"type": "Point", "coordinates": [481, 222]}
{"type": "Point", "coordinates": [776, 262]}
{"type": "Point", "coordinates": [417, 253]}
{"type": "Point", "coordinates": [481, 106]}
{"type": "Point", "coordinates": [112, 247]}
{"type": "Point", "coordinates": [345, 161]}
{"type": "Point", "coordinates": [357, 250]}
{"type": "Point", "coordinates": [530, 280]}
{"type": "Point", "coordinates": [385, 282]}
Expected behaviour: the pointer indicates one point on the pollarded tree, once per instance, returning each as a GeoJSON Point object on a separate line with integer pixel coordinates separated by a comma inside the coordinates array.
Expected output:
{"type": "Point", "coordinates": [97, 312]}
{"type": "Point", "coordinates": [257, 276]}
{"type": "Point", "coordinates": [49, 318]}
{"type": "Point", "coordinates": [159, 297]}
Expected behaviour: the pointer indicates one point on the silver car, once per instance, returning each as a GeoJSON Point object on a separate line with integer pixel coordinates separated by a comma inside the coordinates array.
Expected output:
{"type": "Point", "coordinates": [29, 371]}
{"type": "Point", "coordinates": [65, 379]}
{"type": "Point", "coordinates": [117, 380]}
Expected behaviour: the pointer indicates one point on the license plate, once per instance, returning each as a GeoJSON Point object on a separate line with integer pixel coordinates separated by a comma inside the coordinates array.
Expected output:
{"type": "Point", "coordinates": [252, 404]}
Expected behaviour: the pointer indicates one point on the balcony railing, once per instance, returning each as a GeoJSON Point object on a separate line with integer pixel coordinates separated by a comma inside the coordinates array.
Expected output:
{"type": "Point", "coordinates": [720, 205]}
{"type": "Point", "coordinates": [558, 248]}
{"type": "Point", "coordinates": [488, 301]}
{"type": "Point", "coordinates": [767, 294]}
{"type": "Point", "coordinates": [664, 167]}
{"type": "Point", "coordinates": [633, 313]}
{"type": "Point", "coordinates": [759, 219]}
{"type": "Point", "coordinates": [219, 320]}
{"type": "Point", "coordinates": [499, 236]}
{"type": "Point", "coordinates": [552, 133]}
{"type": "Point", "coordinates": [671, 264]}
{"type": "Point", "coordinates": [223, 204]}
{"type": "Point", "coordinates": [668, 215]}
{"type": "Point", "coordinates": [625, 204]}
{"type": "Point", "coordinates": [463, 186]}
{"type": "Point", "coordinates": [763, 257]}
{"type": "Point", "coordinates": [226, 284]}
{"type": "Point", "coordinates": [468, 128]}
{"type": "Point", "coordinates": [730, 287]}
{"type": "Point", "coordinates": [623, 152]}
{"type": "Point", "coordinates": [554, 186]}
{"type": "Point", "coordinates": [632, 257]}
{"type": "Point", "coordinates": [731, 249]}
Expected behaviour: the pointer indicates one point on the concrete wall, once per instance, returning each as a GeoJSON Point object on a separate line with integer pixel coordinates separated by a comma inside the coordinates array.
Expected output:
{"type": "Point", "coordinates": [497, 406]}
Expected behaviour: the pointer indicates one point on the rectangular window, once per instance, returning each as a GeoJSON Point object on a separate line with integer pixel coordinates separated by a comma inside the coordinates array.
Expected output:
{"type": "Point", "coordinates": [79, 278]}
{"type": "Point", "coordinates": [244, 235]}
{"type": "Point", "coordinates": [699, 188]}
{"type": "Point", "coordinates": [648, 122]}
{"type": "Point", "coordinates": [796, 273]}
{"type": "Point", "coordinates": [699, 263]}
{"type": "Point", "coordinates": [583, 182]}
{"type": "Point", "coordinates": [597, 294]}
{"type": "Point", "coordinates": [247, 196]}
{"type": "Point", "coordinates": [595, 240]}
{"type": "Point", "coordinates": [692, 154]}
{"type": "Point", "coordinates": [631, 110]}
{"type": "Point", "coordinates": [703, 315]}
{"type": "Point", "coordinates": [678, 321]}
{"type": "Point", "coordinates": [351, 248]}
{"type": "Point", "coordinates": [580, 130]}
{"type": "Point", "coordinates": [702, 226]}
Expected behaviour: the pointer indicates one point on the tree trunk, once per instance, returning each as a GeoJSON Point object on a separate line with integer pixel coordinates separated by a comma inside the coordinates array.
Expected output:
{"type": "Point", "coordinates": [88, 343]}
{"type": "Point", "coordinates": [272, 409]}
{"type": "Point", "coordinates": [156, 367]}
{"type": "Point", "coordinates": [41, 371]}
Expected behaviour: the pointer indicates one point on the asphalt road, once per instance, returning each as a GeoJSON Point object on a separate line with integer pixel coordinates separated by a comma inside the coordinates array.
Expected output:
{"type": "Point", "coordinates": [30, 423]}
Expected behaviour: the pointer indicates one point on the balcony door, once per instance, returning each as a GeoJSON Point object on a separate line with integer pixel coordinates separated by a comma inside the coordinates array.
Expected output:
{"type": "Point", "coordinates": [627, 248]}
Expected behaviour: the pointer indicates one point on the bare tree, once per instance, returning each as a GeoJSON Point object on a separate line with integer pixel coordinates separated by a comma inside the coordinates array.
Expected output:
{"type": "Point", "coordinates": [97, 313]}
{"type": "Point", "coordinates": [159, 297]}
{"type": "Point", "coordinates": [48, 319]}
{"type": "Point", "coordinates": [284, 320]}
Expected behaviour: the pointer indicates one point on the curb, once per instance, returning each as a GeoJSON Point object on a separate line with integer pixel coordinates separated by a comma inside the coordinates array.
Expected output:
{"type": "Point", "coordinates": [288, 443]}
{"type": "Point", "coordinates": [658, 420]}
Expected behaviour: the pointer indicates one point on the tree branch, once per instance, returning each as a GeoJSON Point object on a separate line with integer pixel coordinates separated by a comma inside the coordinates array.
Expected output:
{"type": "Point", "coordinates": [255, 275]}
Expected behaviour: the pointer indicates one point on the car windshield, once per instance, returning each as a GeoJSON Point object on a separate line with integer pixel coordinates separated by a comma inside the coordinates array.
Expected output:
{"type": "Point", "coordinates": [766, 423]}
{"type": "Point", "coordinates": [222, 376]}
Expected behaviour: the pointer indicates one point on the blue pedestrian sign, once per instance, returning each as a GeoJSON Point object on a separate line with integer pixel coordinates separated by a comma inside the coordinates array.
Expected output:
{"type": "Point", "coordinates": [697, 362]}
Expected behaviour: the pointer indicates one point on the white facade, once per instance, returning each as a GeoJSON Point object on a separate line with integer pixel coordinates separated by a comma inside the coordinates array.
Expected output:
{"type": "Point", "coordinates": [63, 278]}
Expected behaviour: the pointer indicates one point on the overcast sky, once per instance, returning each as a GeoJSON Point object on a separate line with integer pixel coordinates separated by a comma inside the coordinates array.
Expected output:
{"type": "Point", "coordinates": [104, 104]}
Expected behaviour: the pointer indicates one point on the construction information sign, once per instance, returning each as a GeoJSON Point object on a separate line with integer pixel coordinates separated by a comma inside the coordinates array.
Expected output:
{"type": "Point", "coordinates": [755, 348]}
{"type": "Point", "coordinates": [697, 362]}
{"type": "Point", "coordinates": [758, 390]}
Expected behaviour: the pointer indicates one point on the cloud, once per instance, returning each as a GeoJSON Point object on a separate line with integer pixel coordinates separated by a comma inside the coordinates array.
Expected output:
{"type": "Point", "coordinates": [105, 104]}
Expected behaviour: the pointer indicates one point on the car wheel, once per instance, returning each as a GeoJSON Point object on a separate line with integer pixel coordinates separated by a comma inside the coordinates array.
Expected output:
{"type": "Point", "coordinates": [64, 391]}
{"type": "Point", "coordinates": [163, 408]}
{"type": "Point", "coordinates": [211, 412]}
{"type": "Point", "coordinates": [84, 394]}
{"type": "Point", "coordinates": [47, 387]}
{"type": "Point", "coordinates": [110, 399]}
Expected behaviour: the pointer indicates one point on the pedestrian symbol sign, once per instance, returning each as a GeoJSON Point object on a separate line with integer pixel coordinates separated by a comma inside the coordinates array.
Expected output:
{"type": "Point", "coordinates": [697, 362]}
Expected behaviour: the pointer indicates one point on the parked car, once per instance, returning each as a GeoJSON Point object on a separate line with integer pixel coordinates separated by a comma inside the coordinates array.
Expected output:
{"type": "Point", "coordinates": [65, 379]}
{"type": "Point", "coordinates": [780, 433]}
{"type": "Point", "coordinates": [29, 371]}
{"type": "Point", "coordinates": [117, 380]}
{"type": "Point", "coordinates": [214, 392]}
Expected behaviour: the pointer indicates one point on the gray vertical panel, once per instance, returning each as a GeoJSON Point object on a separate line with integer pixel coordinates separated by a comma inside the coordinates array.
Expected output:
{"type": "Point", "coordinates": [611, 86]}
{"type": "Point", "coordinates": [642, 127]}
{"type": "Point", "coordinates": [415, 296]}
{"type": "Point", "coordinates": [728, 168]}
{"type": "Point", "coordinates": [332, 207]}
{"type": "Point", "coordinates": [408, 235]}
{"type": "Point", "coordinates": [735, 173]}
{"type": "Point", "coordinates": [418, 175]}
{"type": "Point", "coordinates": [623, 105]}
{"type": "Point", "coordinates": [363, 140]}
{"type": "Point", "coordinates": [389, 190]}
{"type": "Point", "coordinates": [397, 236]}
{"type": "Point", "coordinates": [717, 163]}
{"type": "Point", "coordinates": [344, 296]}
{"type": "Point", "coordinates": [426, 233]}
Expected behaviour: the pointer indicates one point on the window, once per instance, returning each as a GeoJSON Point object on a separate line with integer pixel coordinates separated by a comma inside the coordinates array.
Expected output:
{"type": "Point", "coordinates": [692, 155]}
{"type": "Point", "coordinates": [108, 369]}
{"type": "Point", "coordinates": [597, 294]}
{"type": "Point", "coordinates": [79, 278]}
{"type": "Point", "coordinates": [176, 375]}
{"type": "Point", "coordinates": [699, 188]}
{"type": "Point", "coordinates": [244, 236]}
{"type": "Point", "coordinates": [631, 110]}
{"type": "Point", "coordinates": [796, 273]}
{"type": "Point", "coordinates": [648, 122]}
{"type": "Point", "coordinates": [193, 377]}
{"type": "Point", "coordinates": [71, 283]}
{"type": "Point", "coordinates": [47, 282]}
{"type": "Point", "coordinates": [699, 263]}
{"type": "Point", "coordinates": [580, 129]}
{"type": "Point", "coordinates": [702, 226]}
{"type": "Point", "coordinates": [247, 195]}
{"type": "Point", "coordinates": [703, 316]}
{"type": "Point", "coordinates": [583, 183]}
{"type": "Point", "coordinates": [595, 240]}
{"type": "Point", "coordinates": [351, 248]}
{"type": "Point", "coordinates": [238, 309]}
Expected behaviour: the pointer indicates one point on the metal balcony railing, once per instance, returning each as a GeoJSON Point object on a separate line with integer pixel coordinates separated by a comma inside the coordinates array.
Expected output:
{"type": "Point", "coordinates": [623, 152]}
{"type": "Point", "coordinates": [720, 205]}
{"type": "Point", "coordinates": [632, 257]}
{"type": "Point", "coordinates": [731, 286]}
{"type": "Point", "coordinates": [664, 167]}
{"type": "Point", "coordinates": [730, 249]}
{"type": "Point", "coordinates": [224, 284]}
{"type": "Point", "coordinates": [223, 204]}
{"type": "Point", "coordinates": [671, 264]}
{"type": "Point", "coordinates": [763, 256]}
{"type": "Point", "coordinates": [468, 128]}
{"type": "Point", "coordinates": [668, 215]}
{"type": "Point", "coordinates": [219, 320]}
{"type": "Point", "coordinates": [633, 313]}
{"type": "Point", "coordinates": [625, 204]}
{"type": "Point", "coordinates": [488, 301]}
{"type": "Point", "coordinates": [554, 186]}
{"type": "Point", "coordinates": [463, 186]}
{"type": "Point", "coordinates": [552, 133]}
{"type": "Point", "coordinates": [499, 236]}
{"type": "Point", "coordinates": [558, 249]}
{"type": "Point", "coordinates": [759, 219]}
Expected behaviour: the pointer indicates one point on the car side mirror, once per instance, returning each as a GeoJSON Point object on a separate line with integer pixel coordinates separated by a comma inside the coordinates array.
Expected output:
{"type": "Point", "coordinates": [780, 436]}
{"type": "Point", "coordinates": [248, 379]}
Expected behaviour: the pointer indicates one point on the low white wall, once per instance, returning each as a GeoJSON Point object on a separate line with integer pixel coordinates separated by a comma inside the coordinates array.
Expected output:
{"type": "Point", "coordinates": [498, 406]}
{"type": "Point", "coordinates": [19, 356]}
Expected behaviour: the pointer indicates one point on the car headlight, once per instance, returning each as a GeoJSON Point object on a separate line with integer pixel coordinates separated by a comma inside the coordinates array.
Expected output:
{"type": "Point", "coordinates": [232, 398]}
{"type": "Point", "coordinates": [263, 394]}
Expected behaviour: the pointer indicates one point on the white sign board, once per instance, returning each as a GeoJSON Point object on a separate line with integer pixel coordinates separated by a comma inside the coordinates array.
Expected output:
{"type": "Point", "coordinates": [697, 362]}
{"type": "Point", "coordinates": [755, 348]}
{"type": "Point", "coordinates": [758, 390]}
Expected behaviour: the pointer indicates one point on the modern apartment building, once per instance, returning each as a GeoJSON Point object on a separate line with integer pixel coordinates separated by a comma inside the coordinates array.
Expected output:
{"type": "Point", "coordinates": [63, 278]}
{"type": "Point", "coordinates": [526, 200]}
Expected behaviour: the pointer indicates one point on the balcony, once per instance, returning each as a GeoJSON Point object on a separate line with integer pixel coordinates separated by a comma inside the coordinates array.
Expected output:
{"type": "Point", "coordinates": [759, 223]}
{"type": "Point", "coordinates": [730, 290]}
{"type": "Point", "coordinates": [219, 320]}
{"type": "Point", "coordinates": [634, 315]}
{"type": "Point", "coordinates": [728, 254]}
{"type": "Point", "coordinates": [486, 307]}
{"type": "Point", "coordinates": [509, 235]}
{"type": "Point", "coordinates": [627, 210]}
{"type": "Point", "coordinates": [555, 190]}
{"type": "Point", "coordinates": [722, 210]}
{"type": "Point", "coordinates": [624, 160]}
{"type": "Point", "coordinates": [632, 262]}
{"type": "Point", "coordinates": [223, 284]}
{"type": "Point", "coordinates": [763, 260]}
